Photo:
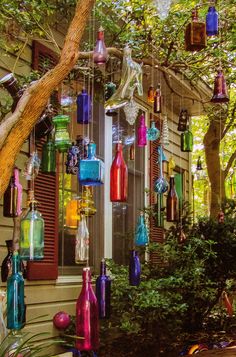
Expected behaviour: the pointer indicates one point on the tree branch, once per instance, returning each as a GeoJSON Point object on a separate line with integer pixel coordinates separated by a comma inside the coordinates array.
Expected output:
{"type": "Point", "coordinates": [229, 164]}
{"type": "Point", "coordinates": [229, 125]}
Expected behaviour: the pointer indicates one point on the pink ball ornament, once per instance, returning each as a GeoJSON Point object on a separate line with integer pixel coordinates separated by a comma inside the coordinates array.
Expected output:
{"type": "Point", "coordinates": [61, 320]}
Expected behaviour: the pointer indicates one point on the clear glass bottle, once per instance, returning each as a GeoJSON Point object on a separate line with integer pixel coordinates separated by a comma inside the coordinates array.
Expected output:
{"type": "Point", "coordinates": [48, 164]}
{"type": "Point", "coordinates": [212, 22]}
{"type": "Point", "coordinates": [32, 234]}
{"type": "Point", "coordinates": [62, 138]}
{"type": "Point", "coordinates": [172, 203]}
{"type": "Point", "coordinates": [195, 34]}
{"type": "Point", "coordinates": [103, 292]}
{"type": "Point", "coordinates": [87, 205]}
{"type": "Point", "coordinates": [142, 132]}
{"type": "Point", "coordinates": [84, 107]}
{"type": "Point", "coordinates": [141, 232]}
{"type": "Point", "coordinates": [82, 242]}
{"type": "Point", "coordinates": [100, 54]}
{"type": "Point", "coordinates": [187, 141]}
{"type": "Point", "coordinates": [157, 100]}
{"type": "Point", "coordinates": [134, 268]}
{"type": "Point", "coordinates": [91, 170]}
{"type": "Point", "coordinates": [118, 177]}
{"type": "Point", "coordinates": [12, 199]}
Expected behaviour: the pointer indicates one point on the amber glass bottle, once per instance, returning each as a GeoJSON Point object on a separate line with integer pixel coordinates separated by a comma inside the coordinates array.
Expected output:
{"type": "Point", "coordinates": [195, 34]}
{"type": "Point", "coordinates": [172, 204]}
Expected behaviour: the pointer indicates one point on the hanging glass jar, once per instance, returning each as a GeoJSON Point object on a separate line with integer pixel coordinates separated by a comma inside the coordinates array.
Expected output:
{"type": "Point", "coordinates": [82, 242]}
{"type": "Point", "coordinates": [187, 141]}
{"type": "Point", "coordinates": [62, 138]}
{"type": "Point", "coordinates": [73, 212]}
{"type": "Point", "coordinates": [84, 107]}
{"type": "Point", "coordinates": [48, 164]}
{"type": "Point", "coordinates": [220, 94]}
{"type": "Point", "coordinates": [212, 22]}
{"type": "Point", "coordinates": [153, 133]}
{"type": "Point", "coordinates": [87, 316]}
{"type": "Point", "coordinates": [141, 232]}
{"type": "Point", "coordinates": [134, 268]}
{"type": "Point", "coordinates": [183, 120]}
{"type": "Point", "coordinates": [118, 177]}
{"type": "Point", "coordinates": [151, 94]}
{"type": "Point", "coordinates": [172, 202]}
{"type": "Point", "coordinates": [103, 292]}
{"type": "Point", "coordinates": [87, 205]}
{"type": "Point", "coordinates": [142, 132]}
{"type": "Point", "coordinates": [12, 199]}
{"type": "Point", "coordinates": [32, 234]}
{"type": "Point", "coordinates": [100, 54]}
{"type": "Point", "coordinates": [195, 34]}
{"type": "Point", "coordinates": [157, 100]}
{"type": "Point", "coordinates": [72, 160]}
{"type": "Point", "coordinates": [91, 170]}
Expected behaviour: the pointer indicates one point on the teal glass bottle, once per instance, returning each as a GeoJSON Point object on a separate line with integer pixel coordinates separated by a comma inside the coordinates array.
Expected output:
{"type": "Point", "coordinates": [141, 233]}
{"type": "Point", "coordinates": [15, 296]}
{"type": "Point", "coordinates": [187, 141]}
{"type": "Point", "coordinates": [91, 169]}
{"type": "Point", "coordinates": [153, 133]}
{"type": "Point", "coordinates": [62, 138]}
{"type": "Point", "coordinates": [48, 163]}
{"type": "Point", "coordinates": [32, 234]}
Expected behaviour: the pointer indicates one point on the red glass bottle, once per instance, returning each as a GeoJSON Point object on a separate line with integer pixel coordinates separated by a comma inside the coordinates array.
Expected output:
{"type": "Point", "coordinates": [100, 54]}
{"type": "Point", "coordinates": [172, 203]}
{"type": "Point", "coordinates": [118, 177]}
{"type": "Point", "coordinates": [87, 316]}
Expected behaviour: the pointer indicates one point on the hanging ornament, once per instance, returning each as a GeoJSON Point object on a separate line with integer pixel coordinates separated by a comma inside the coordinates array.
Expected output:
{"type": "Point", "coordinates": [165, 132]}
{"type": "Point", "coordinates": [187, 141]}
{"type": "Point", "coordinates": [100, 54]}
{"type": "Point", "coordinates": [32, 234]}
{"type": "Point", "coordinates": [103, 292]}
{"type": "Point", "coordinates": [32, 166]}
{"type": "Point", "coordinates": [73, 212]}
{"type": "Point", "coordinates": [134, 268]}
{"type": "Point", "coordinates": [131, 78]}
{"type": "Point", "coordinates": [87, 316]}
{"type": "Point", "coordinates": [157, 100]}
{"type": "Point", "coordinates": [142, 132]}
{"type": "Point", "coordinates": [12, 199]}
{"type": "Point", "coordinates": [212, 22]}
{"type": "Point", "coordinates": [195, 34]}
{"type": "Point", "coordinates": [118, 177]}
{"type": "Point", "coordinates": [132, 152]}
{"type": "Point", "coordinates": [131, 111]}
{"type": "Point", "coordinates": [48, 164]}
{"type": "Point", "coordinates": [84, 107]}
{"type": "Point", "coordinates": [171, 166]}
{"type": "Point", "coordinates": [160, 185]}
{"type": "Point", "coordinates": [87, 205]}
{"type": "Point", "coordinates": [183, 120]}
{"type": "Point", "coordinates": [163, 8]}
{"type": "Point", "coordinates": [221, 216]}
{"type": "Point", "coordinates": [110, 89]}
{"type": "Point", "coordinates": [220, 94]}
{"type": "Point", "coordinates": [172, 203]}
{"type": "Point", "coordinates": [153, 133]}
{"type": "Point", "coordinates": [141, 232]}
{"type": "Point", "coordinates": [61, 320]}
{"type": "Point", "coordinates": [62, 137]}
{"type": "Point", "coordinates": [199, 164]}
{"type": "Point", "coordinates": [72, 160]}
{"type": "Point", "coordinates": [91, 169]}
{"type": "Point", "coordinates": [181, 235]}
{"type": "Point", "coordinates": [82, 242]}
{"type": "Point", "coordinates": [151, 94]}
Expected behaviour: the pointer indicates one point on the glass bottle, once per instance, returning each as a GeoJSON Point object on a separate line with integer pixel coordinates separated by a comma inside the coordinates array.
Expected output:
{"type": "Point", "coordinates": [212, 22]}
{"type": "Point", "coordinates": [172, 203]}
{"type": "Point", "coordinates": [62, 138]}
{"type": "Point", "coordinates": [160, 184]}
{"type": "Point", "coordinates": [151, 94]}
{"type": "Point", "coordinates": [142, 132]}
{"type": "Point", "coordinates": [103, 292]}
{"type": "Point", "coordinates": [153, 133]}
{"type": "Point", "coordinates": [132, 152]}
{"type": "Point", "coordinates": [100, 54]}
{"type": "Point", "coordinates": [141, 233]}
{"type": "Point", "coordinates": [157, 100]}
{"type": "Point", "coordinates": [32, 234]}
{"type": "Point", "coordinates": [220, 94]}
{"type": "Point", "coordinates": [84, 107]}
{"type": "Point", "coordinates": [87, 205]}
{"type": "Point", "coordinates": [187, 141]}
{"type": "Point", "coordinates": [73, 212]}
{"type": "Point", "coordinates": [134, 268]}
{"type": "Point", "coordinates": [48, 163]}
{"type": "Point", "coordinates": [183, 120]}
{"type": "Point", "coordinates": [12, 199]}
{"type": "Point", "coordinates": [118, 177]}
{"type": "Point", "coordinates": [199, 163]}
{"type": "Point", "coordinates": [87, 316]}
{"type": "Point", "coordinates": [91, 170]}
{"type": "Point", "coordinates": [15, 296]}
{"type": "Point", "coordinates": [10, 84]}
{"type": "Point", "coordinates": [195, 34]}
{"type": "Point", "coordinates": [7, 261]}
{"type": "Point", "coordinates": [82, 242]}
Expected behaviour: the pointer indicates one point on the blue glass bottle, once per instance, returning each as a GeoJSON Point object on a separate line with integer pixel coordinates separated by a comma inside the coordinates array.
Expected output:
{"type": "Point", "coordinates": [103, 292]}
{"type": "Point", "coordinates": [91, 169]}
{"type": "Point", "coordinates": [83, 108]}
{"type": "Point", "coordinates": [141, 233]}
{"type": "Point", "coordinates": [153, 133]}
{"type": "Point", "coordinates": [134, 268]}
{"type": "Point", "coordinates": [15, 296]}
{"type": "Point", "coordinates": [212, 22]}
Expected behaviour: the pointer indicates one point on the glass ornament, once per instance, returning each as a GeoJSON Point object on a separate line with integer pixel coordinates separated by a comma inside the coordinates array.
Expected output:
{"type": "Point", "coordinates": [6, 266]}
{"type": "Point", "coordinates": [91, 169]}
{"type": "Point", "coordinates": [32, 234]}
{"type": "Point", "coordinates": [165, 132]}
{"type": "Point", "coordinates": [32, 166]}
{"type": "Point", "coordinates": [163, 8]}
{"type": "Point", "coordinates": [61, 320]}
{"type": "Point", "coordinates": [110, 89]}
{"type": "Point", "coordinates": [62, 137]}
{"type": "Point", "coordinates": [118, 177]}
{"type": "Point", "coordinates": [153, 133]}
{"type": "Point", "coordinates": [134, 268]}
{"type": "Point", "coordinates": [11, 85]}
{"type": "Point", "coordinates": [84, 108]}
{"type": "Point", "coordinates": [15, 296]}
{"type": "Point", "coordinates": [199, 164]}
{"type": "Point", "coordinates": [160, 185]}
{"type": "Point", "coordinates": [157, 106]}
{"type": "Point", "coordinates": [172, 202]}
{"type": "Point", "coordinates": [132, 152]}
{"type": "Point", "coordinates": [131, 78]}
{"type": "Point", "coordinates": [82, 242]}
{"type": "Point", "coordinates": [141, 232]}
{"type": "Point", "coordinates": [187, 141]}
{"type": "Point", "coordinates": [131, 111]}
{"type": "Point", "coordinates": [183, 120]}
{"type": "Point", "coordinates": [72, 160]}
{"type": "Point", "coordinates": [12, 199]}
{"type": "Point", "coordinates": [87, 205]}
{"type": "Point", "coordinates": [142, 132]}
{"type": "Point", "coordinates": [195, 34]}
{"type": "Point", "coordinates": [73, 212]}
{"type": "Point", "coordinates": [212, 22]}
{"type": "Point", "coordinates": [151, 94]}
{"type": "Point", "coordinates": [171, 166]}
{"type": "Point", "coordinates": [220, 94]}
{"type": "Point", "coordinates": [87, 316]}
{"type": "Point", "coordinates": [103, 292]}
{"type": "Point", "coordinates": [48, 163]}
{"type": "Point", "coordinates": [100, 54]}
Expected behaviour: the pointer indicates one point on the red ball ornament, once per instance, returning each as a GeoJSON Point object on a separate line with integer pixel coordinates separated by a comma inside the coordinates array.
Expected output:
{"type": "Point", "coordinates": [61, 320]}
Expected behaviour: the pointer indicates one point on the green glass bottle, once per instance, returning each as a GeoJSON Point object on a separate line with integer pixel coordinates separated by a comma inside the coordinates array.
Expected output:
{"type": "Point", "coordinates": [32, 234]}
{"type": "Point", "coordinates": [187, 141]}
{"type": "Point", "coordinates": [15, 296]}
{"type": "Point", "coordinates": [62, 138]}
{"type": "Point", "coordinates": [48, 157]}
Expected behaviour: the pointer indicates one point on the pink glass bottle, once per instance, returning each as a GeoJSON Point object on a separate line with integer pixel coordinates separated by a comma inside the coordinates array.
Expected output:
{"type": "Point", "coordinates": [118, 177]}
{"type": "Point", "coordinates": [100, 53]}
{"type": "Point", "coordinates": [142, 132]}
{"type": "Point", "coordinates": [87, 316]}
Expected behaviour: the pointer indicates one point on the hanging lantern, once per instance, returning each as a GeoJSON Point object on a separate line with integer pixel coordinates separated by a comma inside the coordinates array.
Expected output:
{"type": "Point", "coordinates": [171, 166]}
{"type": "Point", "coordinates": [153, 133]}
{"type": "Point", "coordinates": [131, 111]}
{"type": "Point", "coordinates": [172, 203]}
{"type": "Point", "coordinates": [151, 94]}
{"type": "Point", "coordinates": [165, 132]}
{"type": "Point", "coordinates": [84, 107]}
{"type": "Point", "coordinates": [87, 206]}
{"type": "Point", "coordinates": [220, 94]}
{"type": "Point", "coordinates": [134, 268]}
{"type": "Point", "coordinates": [141, 233]}
{"type": "Point", "coordinates": [199, 164]}
{"type": "Point", "coordinates": [212, 22]}
{"type": "Point", "coordinates": [163, 7]}
{"type": "Point", "coordinates": [221, 216]}
{"type": "Point", "coordinates": [12, 199]}
{"type": "Point", "coordinates": [195, 34]}
{"type": "Point", "coordinates": [100, 54]}
{"type": "Point", "coordinates": [118, 177]}
{"type": "Point", "coordinates": [187, 141]}
{"type": "Point", "coordinates": [160, 184]}
{"type": "Point", "coordinates": [110, 89]}
{"type": "Point", "coordinates": [32, 166]}
{"type": "Point", "coordinates": [48, 156]}
{"type": "Point", "coordinates": [142, 132]}
{"type": "Point", "coordinates": [62, 138]}
{"type": "Point", "coordinates": [183, 120]}
{"type": "Point", "coordinates": [82, 242]}
{"type": "Point", "coordinates": [103, 292]}
{"type": "Point", "coordinates": [73, 212]}
{"type": "Point", "coordinates": [91, 169]}
{"type": "Point", "coordinates": [72, 160]}
{"type": "Point", "coordinates": [157, 100]}
{"type": "Point", "coordinates": [32, 234]}
{"type": "Point", "coordinates": [132, 152]}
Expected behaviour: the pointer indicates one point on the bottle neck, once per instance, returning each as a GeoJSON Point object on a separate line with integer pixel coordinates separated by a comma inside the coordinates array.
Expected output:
{"type": "Point", "coordinates": [172, 182]}
{"type": "Point", "coordinates": [91, 150]}
{"type": "Point", "coordinates": [86, 277]}
{"type": "Point", "coordinates": [103, 268]}
{"type": "Point", "coordinates": [16, 175]}
{"type": "Point", "coordinates": [142, 120]}
{"type": "Point", "coordinates": [100, 36]}
{"type": "Point", "coordinates": [15, 263]}
{"type": "Point", "coordinates": [119, 148]}
{"type": "Point", "coordinates": [10, 83]}
{"type": "Point", "coordinates": [195, 15]}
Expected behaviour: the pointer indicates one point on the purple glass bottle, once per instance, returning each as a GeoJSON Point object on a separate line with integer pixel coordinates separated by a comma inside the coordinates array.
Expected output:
{"type": "Point", "coordinates": [212, 22]}
{"type": "Point", "coordinates": [103, 292]}
{"type": "Point", "coordinates": [142, 132]}
{"type": "Point", "coordinates": [87, 316]}
{"type": "Point", "coordinates": [83, 107]}
{"type": "Point", "coordinates": [134, 268]}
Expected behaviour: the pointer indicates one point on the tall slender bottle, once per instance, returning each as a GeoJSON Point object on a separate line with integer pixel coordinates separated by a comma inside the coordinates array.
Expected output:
{"type": "Point", "coordinates": [12, 199]}
{"type": "Point", "coordinates": [118, 177]}
{"type": "Point", "coordinates": [172, 203]}
{"type": "Point", "coordinates": [103, 292]}
{"type": "Point", "coordinates": [87, 316]}
{"type": "Point", "coordinates": [15, 296]}
{"type": "Point", "coordinates": [142, 132]}
{"type": "Point", "coordinates": [134, 268]}
{"type": "Point", "coordinates": [157, 100]}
